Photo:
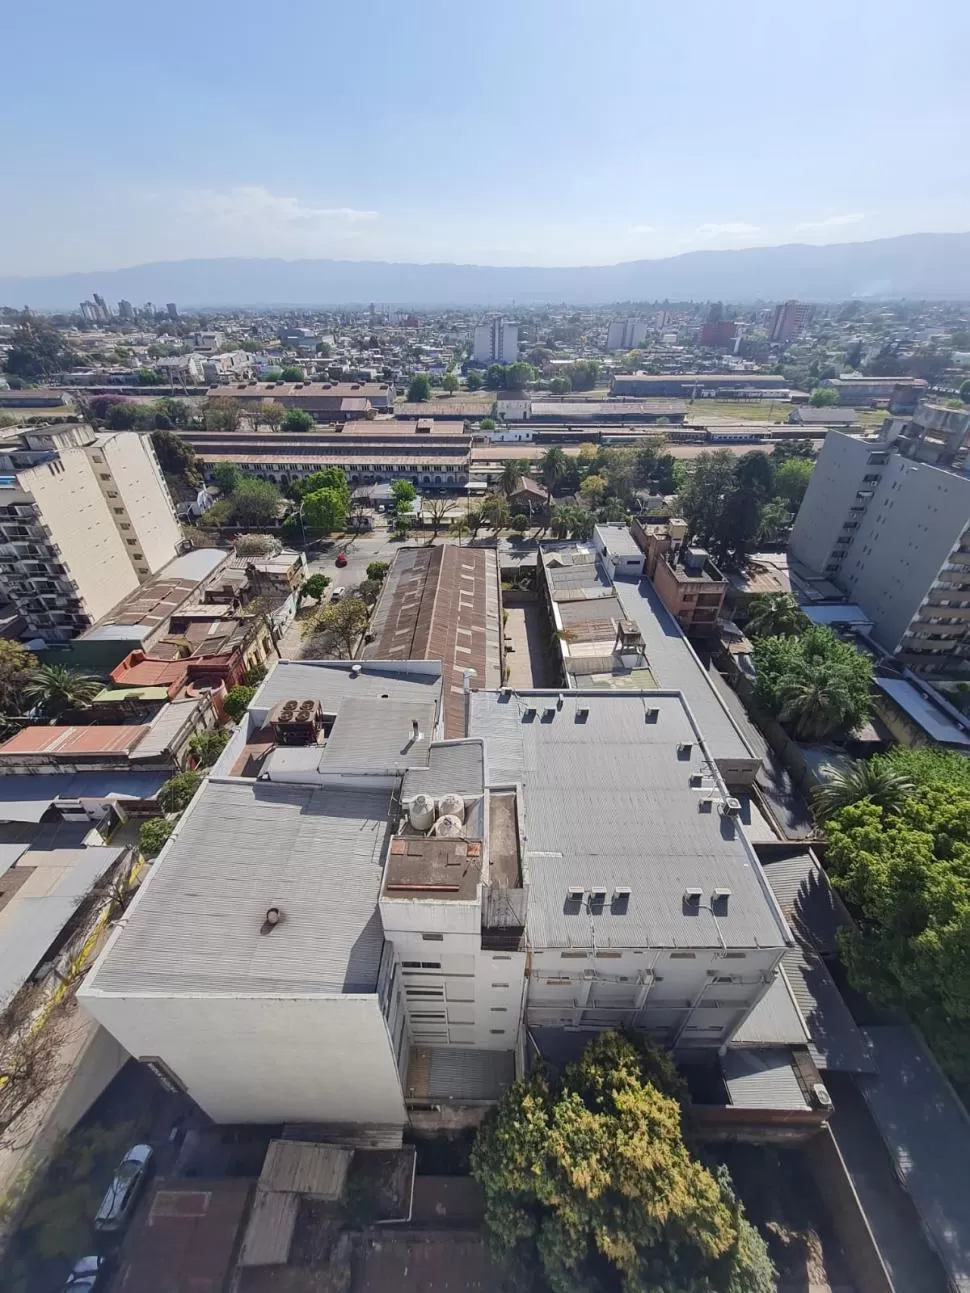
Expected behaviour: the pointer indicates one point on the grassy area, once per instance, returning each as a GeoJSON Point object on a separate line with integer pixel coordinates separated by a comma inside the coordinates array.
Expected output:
{"type": "Point", "coordinates": [739, 410]}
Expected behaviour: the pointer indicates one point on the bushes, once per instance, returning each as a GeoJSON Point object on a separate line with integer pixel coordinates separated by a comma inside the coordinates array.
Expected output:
{"type": "Point", "coordinates": [176, 794]}
{"type": "Point", "coordinates": [153, 834]}
{"type": "Point", "coordinates": [815, 685]}
{"type": "Point", "coordinates": [237, 701]}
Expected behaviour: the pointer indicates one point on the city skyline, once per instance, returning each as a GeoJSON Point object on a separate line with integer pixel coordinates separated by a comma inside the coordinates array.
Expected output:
{"type": "Point", "coordinates": [560, 137]}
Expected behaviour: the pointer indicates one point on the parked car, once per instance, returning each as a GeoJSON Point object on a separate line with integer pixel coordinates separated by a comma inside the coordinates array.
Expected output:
{"type": "Point", "coordinates": [337, 593]}
{"type": "Point", "coordinates": [88, 1276]}
{"type": "Point", "coordinates": [122, 1195]}
{"type": "Point", "coordinates": [341, 559]}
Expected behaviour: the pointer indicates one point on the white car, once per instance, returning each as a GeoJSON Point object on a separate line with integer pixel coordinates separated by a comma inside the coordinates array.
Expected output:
{"type": "Point", "coordinates": [337, 593]}
{"type": "Point", "coordinates": [86, 1277]}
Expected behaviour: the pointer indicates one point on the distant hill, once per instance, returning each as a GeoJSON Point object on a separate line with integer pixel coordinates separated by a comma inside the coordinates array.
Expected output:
{"type": "Point", "coordinates": [934, 266]}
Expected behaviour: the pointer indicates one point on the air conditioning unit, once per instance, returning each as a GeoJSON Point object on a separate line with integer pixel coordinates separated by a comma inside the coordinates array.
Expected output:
{"type": "Point", "coordinates": [821, 1096]}
{"type": "Point", "coordinates": [651, 715]}
{"type": "Point", "coordinates": [731, 807]}
{"type": "Point", "coordinates": [548, 715]}
{"type": "Point", "coordinates": [697, 779]}
{"type": "Point", "coordinates": [685, 747]}
{"type": "Point", "coordinates": [575, 894]}
{"type": "Point", "coordinates": [597, 895]}
{"type": "Point", "coordinates": [693, 895]}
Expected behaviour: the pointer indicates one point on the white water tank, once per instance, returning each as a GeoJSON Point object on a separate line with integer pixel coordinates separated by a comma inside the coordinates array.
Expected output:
{"type": "Point", "coordinates": [452, 805]}
{"type": "Point", "coordinates": [421, 812]}
{"type": "Point", "coordinates": [448, 827]}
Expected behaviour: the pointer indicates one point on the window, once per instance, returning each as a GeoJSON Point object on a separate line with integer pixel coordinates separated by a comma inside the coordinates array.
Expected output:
{"type": "Point", "coordinates": [430, 1014]}
{"type": "Point", "coordinates": [433, 938]}
{"type": "Point", "coordinates": [502, 957]}
{"type": "Point", "coordinates": [499, 1010]}
{"type": "Point", "coordinates": [412, 993]}
{"type": "Point", "coordinates": [497, 1032]}
{"type": "Point", "coordinates": [573, 956]}
{"type": "Point", "coordinates": [118, 511]}
{"type": "Point", "coordinates": [105, 475]}
{"type": "Point", "coordinates": [500, 985]}
{"type": "Point", "coordinates": [131, 542]}
{"type": "Point", "coordinates": [124, 526]}
{"type": "Point", "coordinates": [683, 956]}
{"type": "Point", "coordinates": [733, 956]}
{"type": "Point", "coordinates": [608, 956]}
{"type": "Point", "coordinates": [559, 982]}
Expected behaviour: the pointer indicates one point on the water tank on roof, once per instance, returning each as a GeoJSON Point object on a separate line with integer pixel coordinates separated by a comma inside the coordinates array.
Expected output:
{"type": "Point", "coordinates": [452, 805]}
{"type": "Point", "coordinates": [421, 812]}
{"type": "Point", "coordinates": [448, 827]}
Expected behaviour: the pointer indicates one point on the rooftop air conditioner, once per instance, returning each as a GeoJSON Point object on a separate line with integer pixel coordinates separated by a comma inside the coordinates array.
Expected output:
{"type": "Point", "coordinates": [693, 895]}
{"type": "Point", "coordinates": [731, 807]}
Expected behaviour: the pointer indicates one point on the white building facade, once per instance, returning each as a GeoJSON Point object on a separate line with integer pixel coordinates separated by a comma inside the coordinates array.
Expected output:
{"type": "Point", "coordinates": [496, 342]}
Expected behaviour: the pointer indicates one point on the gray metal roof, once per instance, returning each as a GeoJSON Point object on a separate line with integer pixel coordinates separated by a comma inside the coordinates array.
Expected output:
{"type": "Point", "coordinates": [836, 1041]}
{"type": "Point", "coordinates": [166, 727]}
{"type": "Point", "coordinates": [453, 766]}
{"type": "Point", "coordinates": [674, 665]}
{"type": "Point", "coordinates": [372, 734]}
{"type": "Point", "coordinates": [27, 798]}
{"type": "Point", "coordinates": [618, 540]}
{"type": "Point", "coordinates": [934, 721]}
{"type": "Point", "coordinates": [808, 900]}
{"type": "Point", "coordinates": [43, 904]}
{"type": "Point", "coordinates": [762, 1080]}
{"type": "Point", "coordinates": [607, 800]}
{"type": "Point", "coordinates": [460, 1074]}
{"type": "Point", "coordinates": [197, 564]}
{"type": "Point", "coordinates": [775, 1020]}
{"type": "Point", "coordinates": [330, 681]}
{"type": "Point", "coordinates": [928, 1135]}
{"type": "Point", "coordinates": [241, 848]}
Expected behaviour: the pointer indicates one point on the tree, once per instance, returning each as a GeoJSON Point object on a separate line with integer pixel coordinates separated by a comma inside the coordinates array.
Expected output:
{"type": "Point", "coordinates": [815, 685]}
{"type": "Point", "coordinates": [449, 383]}
{"type": "Point", "coordinates": [438, 509]}
{"type": "Point", "coordinates": [329, 478]}
{"type": "Point", "coordinates": [592, 489]}
{"type": "Point", "coordinates": [297, 420]}
{"type": "Point", "coordinates": [871, 779]}
{"type": "Point", "coordinates": [177, 793]}
{"type": "Point", "coordinates": [377, 570]}
{"type": "Point", "coordinates": [220, 413]}
{"type": "Point", "coordinates": [520, 523]}
{"type": "Point", "coordinates": [589, 1187]}
{"type": "Point", "coordinates": [619, 467]}
{"type": "Point", "coordinates": [755, 472]}
{"type": "Point", "coordinates": [404, 492]}
{"type": "Point", "coordinates": [487, 424]}
{"type": "Point", "coordinates": [553, 466]}
{"type": "Point", "coordinates": [906, 870]}
{"type": "Point", "coordinates": [583, 375]}
{"type": "Point", "coordinates": [17, 667]}
{"type": "Point", "coordinates": [37, 350]}
{"type": "Point", "coordinates": [176, 413]}
{"type": "Point", "coordinates": [518, 376]}
{"type": "Point", "coordinates": [495, 511]}
{"type": "Point", "coordinates": [823, 397]}
{"type": "Point", "coordinates": [402, 527]}
{"type": "Point", "coordinates": [257, 545]}
{"type": "Point", "coordinates": [345, 620]}
{"type": "Point", "coordinates": [316, 585]}
{"type": "Point", "coordinates": [965, 391]}
{"type": "Point", "coordinates": [791, 481]}
{"type": "Point", "coordinates": [152, 835]}
{"type": "Point", "coordinates": [121, 416]}
{"type": "Point", "coordinates": [292, 374]}
{"type": "Point", "coordinates": [702, 499]}
{"type": "Point", "coordinates": [149, 377]}
{"type": "Point", "coordinates": [419, 388]}
{"type": "Point", "coordinates": [473, 381]}
{"type": "Point", "coordinates": [511, 477]}
{"type": "Point", "coordinates": [495, 379]}
{"type": "Point", "coordinates": [560, 385]}
{"type": "Point", "coordinates": [237, 701]}
{"type": "Point", "coordinates": [207, 746]}
{"type": "Point", "coordinates": [369, 591]}
{"type": "Point", "coordinates": [255, 502]}
{"type": "Point", "coordinates": [775, 615]}
{"type": "Point", "coordinates": [228, 476]}
{"type": "Point", "coordinates": [785, 449]}
{"type": "Point", "coordinates": [54, 689]}
{"type": "Point", "coordinates": [272, 414]}
{"type": "Point", "coordinates": [324, 511]}
{"type": "Point", "coordinates": [471, 523]}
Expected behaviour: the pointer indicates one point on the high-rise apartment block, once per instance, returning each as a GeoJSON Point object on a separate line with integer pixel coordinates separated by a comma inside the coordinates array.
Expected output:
{"type": "Point", "coordinates": [84, 519]}
{"type": "Point", "coordinates": [496, 342]}
{"type": "Point", "coordinates": [625, 334]}
{"type": "Point", "coordinates": [887, 519]}
{"type": "Point", "coordinates": [787, 321]}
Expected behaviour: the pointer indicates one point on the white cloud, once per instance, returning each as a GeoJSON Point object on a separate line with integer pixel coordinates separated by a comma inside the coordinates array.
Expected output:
{"type": "Point", "coordinates": [248, 204]}
{"type": "Point", "coordinates": [642, 228]}
{"type": "Point", "coordinates": [831, 222]}
{"type": "Point", "coordinates": [732, 229]}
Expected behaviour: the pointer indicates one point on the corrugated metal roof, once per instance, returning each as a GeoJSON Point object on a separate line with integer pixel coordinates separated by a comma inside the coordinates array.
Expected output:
{"type": "Point", "coordinates": [330, 681]}
{"type": "Point", "coordinates": [195, 565]}
{"type": "Point", "coordinates": [933, 720]}
{"type": "Point", "coordinates": [674, 665]}
{"type": "Point", "coordinates": [928, 1135]}
{"type": "Point", "coordinates": [468, 1074]}
{"type": "Point", "coordinates": [27, 798]}
{"type": "Point", "coordinates": [775, 1020]}
{"type": "Point", "coordinates": [36, 913]}
{"type": "Point", "coordinates": [607, 800]}
{"type": "Point", "coordinates": [371, 733]}
{"type": "Point", "coordinates": [269, 1233]}
{"type": "Point", "coordinates": [68, 741]}
{"type": "Point", "coordinates": [457, 766]}
{"type": "Point", "coordinates": [241, 848]}
{"type": "Point", "coordinates": [809, 902]}
{"type": "Point", "coordinates": [836, 1040]}
{"type": "Point", "coordinates": [761, 1080]}
{"type": "Point", "coordinates": [305, 1167]}
{"type": "Point", "coordinates": [166, 727]}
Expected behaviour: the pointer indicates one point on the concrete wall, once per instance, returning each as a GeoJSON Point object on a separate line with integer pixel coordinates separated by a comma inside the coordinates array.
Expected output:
{"type": "Point", "coordinates": [266, 1059]}
{"type": "Point", "coordinates": [69, 495]}
{"type": "Point", "coordinates": [138, 480]}
{"type": "Point", "coordinates": [832, 489]}
{"type": "Point", "coordinates": [859, 1248]}
{"type": "Point", "coordinates": [917, 516]}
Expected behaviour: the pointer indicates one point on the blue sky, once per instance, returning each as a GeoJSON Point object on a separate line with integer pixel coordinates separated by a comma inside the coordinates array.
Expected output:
{"type": "Point", "coordinates": [504, 132]}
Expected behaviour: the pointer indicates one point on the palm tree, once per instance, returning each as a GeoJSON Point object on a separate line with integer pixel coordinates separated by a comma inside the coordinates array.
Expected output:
{"type": "Point", "coordinates": [775, 615]}
{"type": "Point", "coordinates": [54, 688]}
{"type": "Point", "coordinates": [815, 701]}
{"type": "Point", "coordinates": [872, 779]}
{"type": "Point", "coordinates": [553, 466]}
{"type": "Point", "coordinates": [495, 511]}
{"type": "Point", "coordinates": [511, 477]}
{"type": "Point", "coordinates": [561, 519]}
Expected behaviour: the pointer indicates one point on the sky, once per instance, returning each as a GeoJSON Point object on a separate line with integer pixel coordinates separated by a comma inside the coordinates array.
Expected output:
{"type": "Point", "coordinates": [508, 132]}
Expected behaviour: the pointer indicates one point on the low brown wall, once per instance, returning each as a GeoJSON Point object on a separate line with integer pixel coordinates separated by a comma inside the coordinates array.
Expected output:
{"type": "Point", "coordinates": [756, 1126]}
{"type": "Point", "coordinates": [862, 1256]}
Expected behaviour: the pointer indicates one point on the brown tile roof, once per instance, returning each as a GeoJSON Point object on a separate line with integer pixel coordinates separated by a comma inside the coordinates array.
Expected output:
{"type": "Point", "coordinates": [442, 603]}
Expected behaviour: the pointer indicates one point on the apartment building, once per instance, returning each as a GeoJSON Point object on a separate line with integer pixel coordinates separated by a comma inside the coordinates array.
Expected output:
{"type": "Point", "coordinates": [84, 519]}
{"type": "Point", "coordinates": [887, 519]}
{"type": "Point", "coordinates": [686, 579]}
{"type": "Point", "coordinates": [357, 919]}
{"type": "Point", "coordinates": [787, 322]}
{"type": "Point", "coordinates": [496, 342]}
{"type": "Point", "coordinates": [625, 334]}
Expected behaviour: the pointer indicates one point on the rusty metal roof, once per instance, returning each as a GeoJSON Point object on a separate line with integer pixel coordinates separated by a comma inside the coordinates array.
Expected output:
{"type": "Point", "coordinates": [67, 742]}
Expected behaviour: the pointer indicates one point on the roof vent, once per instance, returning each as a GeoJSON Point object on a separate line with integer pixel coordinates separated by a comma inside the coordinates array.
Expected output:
{"type": "Point", "coordinates": [597, 895]}
{"type": "Point", "coordinates": [582, 715]}
{"type": "Point", "coordinates": [685, 749]}
{"type": "Point", "coordinates": [731, 807]}
{"type": "Point", "coordinates": [719, 901]}
{"type": "Point", "coordinates": [621, 900]}
{"type": "Point", "coordinates": [697, 779]}
{"type": "Point", "coordinates": [821, 1096]}
{"type": "Point", "coordinates": [530, 715]}
{"type": "Point", "coordinates": [693, 895]}
{"type": "Point", "coordinates": [560, 701]}
{"type": "Point", "coordinates": [548, 715]}
{"type": "Point", "coordinates": [416, 732]}
{"type": "Point", "coordinates": [272, 918]}
{"type": "Point", "coordinates": [355, 670]}
{"type": "Point", "coordinates": [651, 715]}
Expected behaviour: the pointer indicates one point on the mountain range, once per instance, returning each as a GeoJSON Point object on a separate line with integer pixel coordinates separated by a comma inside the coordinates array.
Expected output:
{"type": "Point", "coordinates": [927, 266]}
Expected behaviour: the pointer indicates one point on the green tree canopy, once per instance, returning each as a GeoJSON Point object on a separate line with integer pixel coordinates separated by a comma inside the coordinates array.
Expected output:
{"type": "Point", "coordinates": [324, 511]}
{"type": "Point", "coordinates": [54, 689]}
{"type": "Point", "coordinates": [511, 477]}
{"type": "Point", "coordinates": [495, 377]}
{"type": "Point", "coordinates": [487, 424]}
{"type": "Point", "coordinates": [292, 374]}
{"type": "Point", "coordinates": [153, 834]}
{"type": "Point", "coordinates": [589, 1186]}
{"type": "Point", "coordinates": [176, 794]}
{"type": "Point", "coordinates": [255, 502]}
{"type": "Point", "coordinates": [298, 420]}
{"type": "Point", "coordinates": [315, 586]}
{"type": "Point", "coordinates": [518, 376]}
{"type": "Point", "coordinates": [237, 701]}
{"type": "Point", "coordinates": [404, 491]}
{"type": "Point", "coordinates": [965, 391]}
{"type": "Point", "coordinates": [344, 620]}
{"type": "Point", "coordinates": [377, 570]}
{"type": "Point", "coordinates": [449, 383]}
{"type": "Point", "coordinates": [775, 615]}
{"type": "Point", "coordinates": [37, 350]}
{"type": "Point", "coordinates": [473, 381]}
{"type": "Point", "coordinates": [815, 685]}
{"type": "Point", "coordinates": [823, 397]}
{"type": "Point", "coordinates": [330, 478]}
{"type": "Point", "coordinates": [791, 481]}
{"type": "Point", "coordinates": [560, 385]}
{"type": "Point", "coordinates": [419, 388]}
{"type": "Point", "coordinates": [207, 746]}
{"type": "Point", "coordinates": [17, 667]}
{"type": "Point", "coordinates": [220, 413]}
{"type": "Point", "coordinates": [175, 457]}
{"type": "Point", "coordinates": [228, 476]}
